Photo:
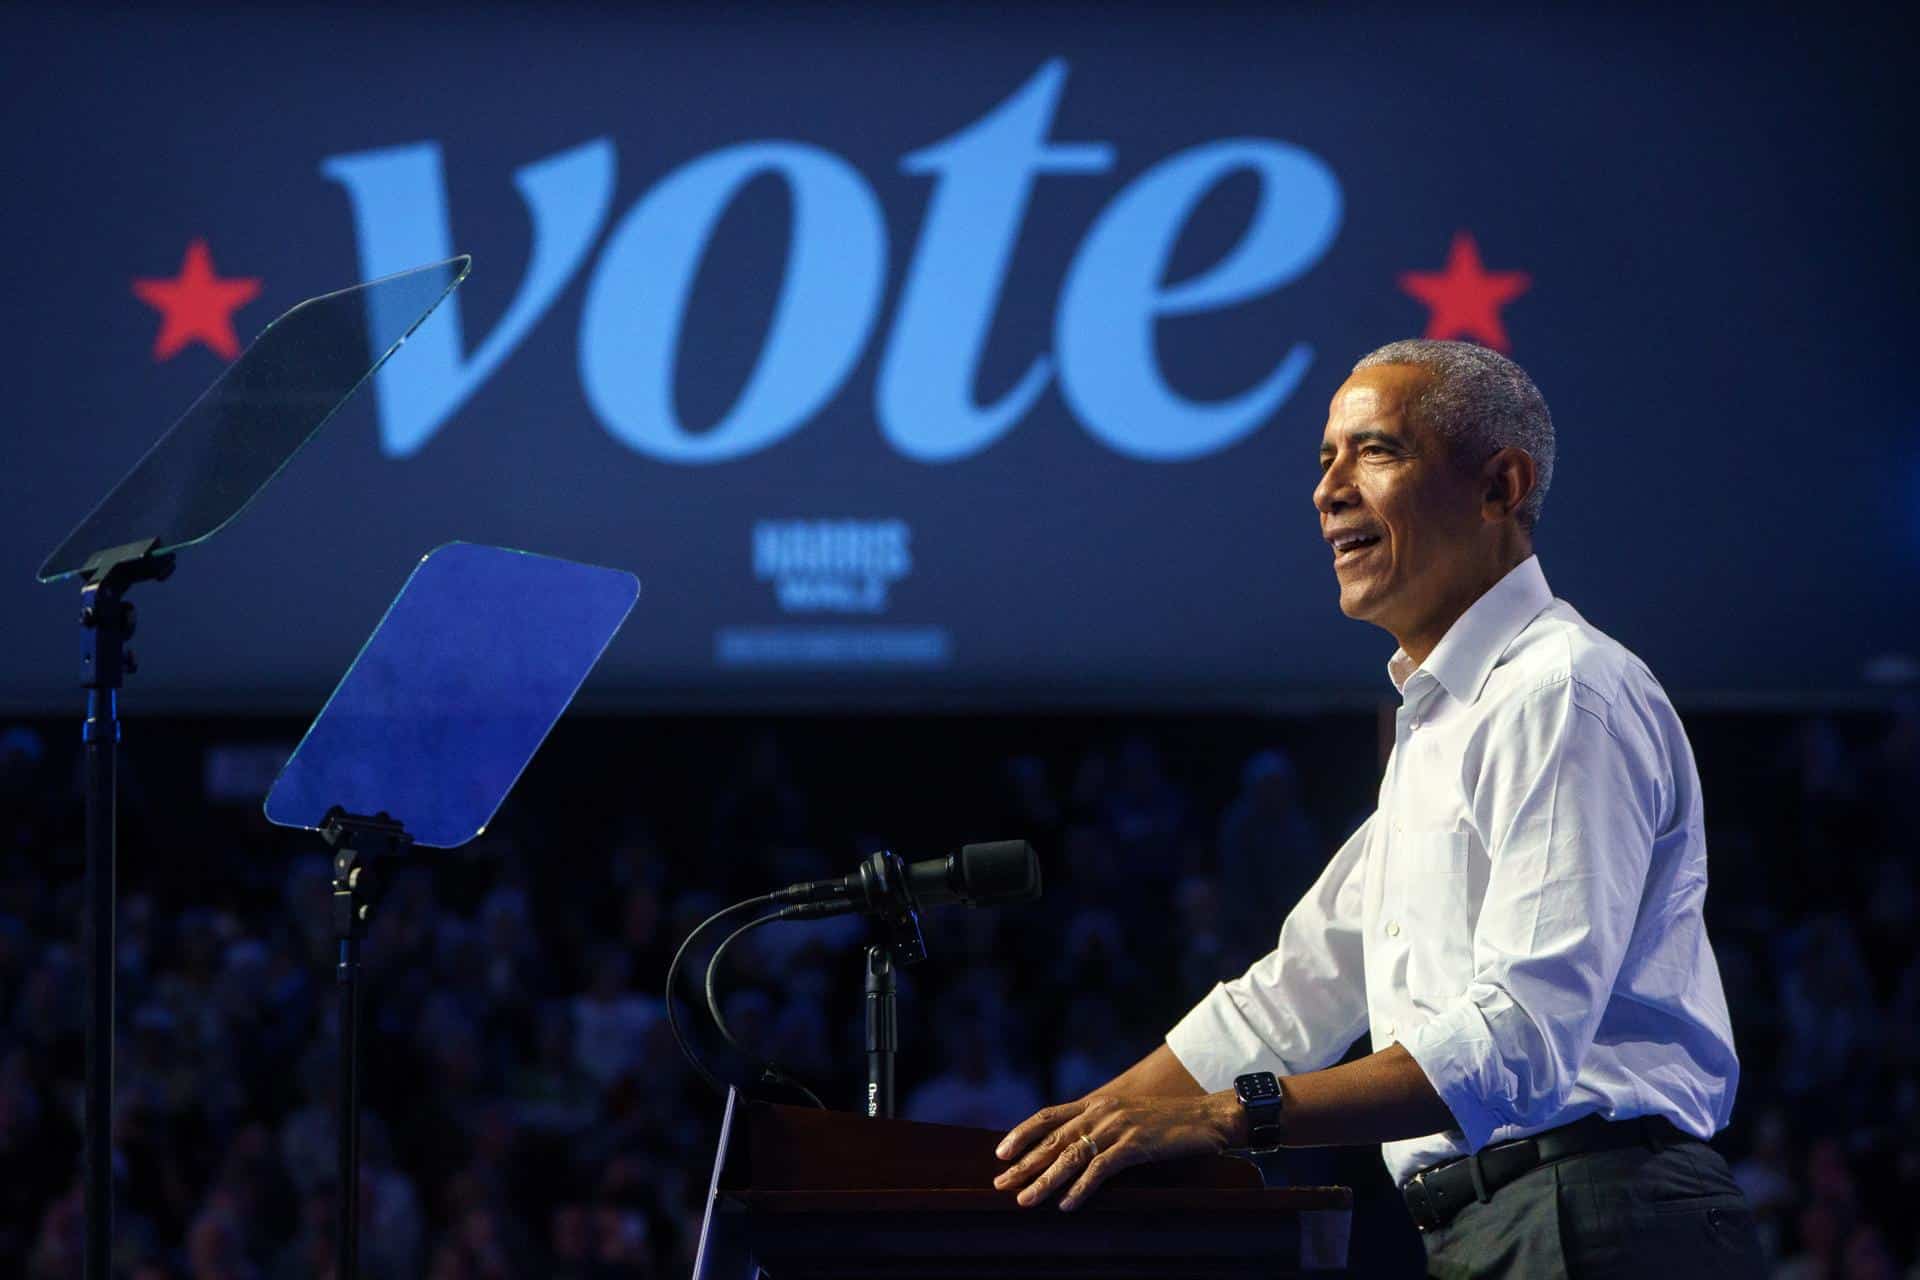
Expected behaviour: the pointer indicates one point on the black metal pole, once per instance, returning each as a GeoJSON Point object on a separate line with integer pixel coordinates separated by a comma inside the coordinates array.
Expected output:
{"type": "Point", "coordinates": [106, 621]}
{"type": "Point", "coordinates": [101, 738]}
{"type": "Point", "coordinates": [347, 1183]}
{"type": "Point", "coordinates": [883, 1031]}
{"type": "Point", "coordinates": [106, 624]}
{"type": "Point", "coordinates": [358, 843]}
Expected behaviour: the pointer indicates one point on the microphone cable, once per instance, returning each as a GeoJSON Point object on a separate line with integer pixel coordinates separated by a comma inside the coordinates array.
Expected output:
{"type": "Point", "coordinates": [770, 1073]}
{"type": "Point", "coordinates": [673, 975]}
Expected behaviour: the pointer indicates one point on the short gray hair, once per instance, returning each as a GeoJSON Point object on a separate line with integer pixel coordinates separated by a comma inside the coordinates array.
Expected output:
{"type": "Point", "coordinates": [1480, 402]}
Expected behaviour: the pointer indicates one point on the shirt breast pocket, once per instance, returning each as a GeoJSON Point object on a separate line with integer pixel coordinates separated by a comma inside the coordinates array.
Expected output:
{"type": "Point", "coordinates": [1435, 918]}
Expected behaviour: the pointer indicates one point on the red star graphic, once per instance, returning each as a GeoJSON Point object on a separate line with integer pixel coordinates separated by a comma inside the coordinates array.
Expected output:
{"type": "Point", "coordinates": [196, 305]}
{"type": "Point", "coordinates": [1465, 298]}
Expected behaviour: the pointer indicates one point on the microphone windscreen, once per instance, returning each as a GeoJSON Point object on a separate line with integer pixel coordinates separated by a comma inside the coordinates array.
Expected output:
{"type": "Point", "coordinates": [999, 871]}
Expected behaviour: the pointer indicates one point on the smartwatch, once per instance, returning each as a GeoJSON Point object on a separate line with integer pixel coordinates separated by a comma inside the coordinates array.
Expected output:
{"type": "Point", "coordinates": [1260, 1098]}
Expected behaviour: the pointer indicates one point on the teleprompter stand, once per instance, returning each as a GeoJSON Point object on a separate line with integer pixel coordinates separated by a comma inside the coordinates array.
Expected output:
{"type": "Point", "coordinates": [422, 740]}
{"type": "Point", "coordinates": [365, 854]}
{"type": "Point", "coordinates": [195, 479]}
{"type": "Point", "coordinates": [106, 624]}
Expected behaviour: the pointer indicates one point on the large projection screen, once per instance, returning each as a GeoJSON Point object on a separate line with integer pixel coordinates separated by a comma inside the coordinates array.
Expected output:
{"type": "Point", "coordinates": [967, 358]}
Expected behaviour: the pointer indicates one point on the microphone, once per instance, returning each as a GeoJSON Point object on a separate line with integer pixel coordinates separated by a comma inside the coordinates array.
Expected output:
{"type": "Point", "coordinates": [980, 875]}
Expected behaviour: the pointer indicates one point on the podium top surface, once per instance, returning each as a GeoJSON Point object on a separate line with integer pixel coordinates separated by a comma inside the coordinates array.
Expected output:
{"type": "Point", "coordinates": [1113, 1198]}
{"type": "Point", "coordinates": [454, 692]}
{"type": "Point", "coordinates": [804, 1160]}
{"type": "Point", "coordinates": [248, 425]}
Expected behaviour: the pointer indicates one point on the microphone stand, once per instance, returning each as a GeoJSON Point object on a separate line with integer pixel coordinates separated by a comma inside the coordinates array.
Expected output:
{"type": "Point", "coordinates": [883, 1031]}
{"type": "Point", "coordinates": [887, 875]}
{"type": "Point", "coordinates": [885, 887]}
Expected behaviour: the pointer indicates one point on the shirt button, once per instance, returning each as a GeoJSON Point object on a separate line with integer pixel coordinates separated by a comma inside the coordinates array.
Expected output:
{"type": "Point", "coordinates": [1389, 1030]}
{"type": "Point", "coordinates": [1393, 928]}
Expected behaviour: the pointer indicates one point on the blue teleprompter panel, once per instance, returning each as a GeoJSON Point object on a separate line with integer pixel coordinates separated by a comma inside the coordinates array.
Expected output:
{"type": "Point", "coordinates": [454, 692]}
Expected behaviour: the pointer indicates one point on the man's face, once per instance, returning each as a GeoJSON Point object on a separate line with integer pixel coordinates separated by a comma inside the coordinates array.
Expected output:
{"type": "Point", "coordinates": [1398, 511]}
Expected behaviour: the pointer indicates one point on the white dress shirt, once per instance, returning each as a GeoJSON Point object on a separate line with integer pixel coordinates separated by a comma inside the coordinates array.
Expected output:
{"type": "Point", "coordinates": [1522, 911]}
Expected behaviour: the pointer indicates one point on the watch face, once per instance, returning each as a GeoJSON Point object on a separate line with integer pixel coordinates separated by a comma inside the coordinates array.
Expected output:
{"type": "Point", "coordinates": [1257, 1086]}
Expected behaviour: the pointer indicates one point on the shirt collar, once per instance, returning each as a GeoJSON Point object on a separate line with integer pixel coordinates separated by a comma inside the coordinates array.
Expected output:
{"type": "Point", "coordinates": [1466, 654]}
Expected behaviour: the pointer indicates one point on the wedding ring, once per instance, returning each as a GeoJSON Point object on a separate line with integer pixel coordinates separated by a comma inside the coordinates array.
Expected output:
{"type": "Point", "coordinates": [1093, 1148]}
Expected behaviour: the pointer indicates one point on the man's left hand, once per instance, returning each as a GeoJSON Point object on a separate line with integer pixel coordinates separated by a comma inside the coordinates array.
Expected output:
{"type": "Point", "coordinates": [1123, 1132]}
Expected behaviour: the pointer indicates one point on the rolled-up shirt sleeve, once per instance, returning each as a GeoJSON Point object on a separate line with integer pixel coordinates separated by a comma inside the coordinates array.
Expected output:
{"type": "Point", "coordinates": [1567, 796]}
{"type": "Point", "coordinates": [1300, 1006]}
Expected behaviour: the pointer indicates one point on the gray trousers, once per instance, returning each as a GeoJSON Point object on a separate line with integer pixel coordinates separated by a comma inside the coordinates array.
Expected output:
{"type": "Point", "coordinates": [1634, 1213]}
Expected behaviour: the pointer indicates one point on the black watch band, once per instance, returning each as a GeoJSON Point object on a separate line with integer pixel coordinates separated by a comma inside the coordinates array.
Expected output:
{"type": "Point", "coordinates": [1261, 1099]}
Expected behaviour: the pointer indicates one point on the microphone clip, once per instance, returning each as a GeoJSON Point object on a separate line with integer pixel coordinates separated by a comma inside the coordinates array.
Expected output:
{"type": "Point", "coordinates": [883, 883]}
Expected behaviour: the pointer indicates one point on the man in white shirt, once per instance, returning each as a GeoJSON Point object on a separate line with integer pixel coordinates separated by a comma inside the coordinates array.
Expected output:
{"type": "Point", "coordinates": [1518, 925]}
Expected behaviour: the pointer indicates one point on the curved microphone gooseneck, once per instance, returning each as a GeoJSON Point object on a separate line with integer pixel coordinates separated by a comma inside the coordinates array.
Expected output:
{"type": "Point", "coordinates": [673, 974]}
{"type": "Point", "coordinates": [770, 1071]}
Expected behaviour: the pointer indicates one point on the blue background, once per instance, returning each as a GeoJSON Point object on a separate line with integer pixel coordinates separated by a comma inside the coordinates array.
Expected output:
{"type": "Point", "coordinates": [1716, 214]}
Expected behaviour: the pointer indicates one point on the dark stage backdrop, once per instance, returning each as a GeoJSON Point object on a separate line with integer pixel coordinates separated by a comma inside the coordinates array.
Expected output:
{"type": "Point", "coordinates": [973, 355]}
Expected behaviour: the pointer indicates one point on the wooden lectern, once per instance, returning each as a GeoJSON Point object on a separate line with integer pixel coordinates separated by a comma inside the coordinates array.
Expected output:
{"type": "Point", "coordinates": [810, 1195]}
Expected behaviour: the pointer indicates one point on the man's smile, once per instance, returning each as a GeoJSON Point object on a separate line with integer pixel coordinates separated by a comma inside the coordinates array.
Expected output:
{"type": "Point", "coordinates": [1350, 545]}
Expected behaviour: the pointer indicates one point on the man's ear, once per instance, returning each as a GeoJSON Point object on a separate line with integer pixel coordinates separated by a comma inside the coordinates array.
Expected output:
{"type": "Point", "coordinates": [1505, 481]}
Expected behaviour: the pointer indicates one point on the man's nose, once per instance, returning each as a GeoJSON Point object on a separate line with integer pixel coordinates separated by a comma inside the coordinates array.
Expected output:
{"type": "Point", "coordinates": [1335, 490]}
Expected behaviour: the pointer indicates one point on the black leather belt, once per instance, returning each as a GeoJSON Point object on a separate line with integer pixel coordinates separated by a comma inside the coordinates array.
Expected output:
{"type": "Point", "coordinates": [1435, 1194]}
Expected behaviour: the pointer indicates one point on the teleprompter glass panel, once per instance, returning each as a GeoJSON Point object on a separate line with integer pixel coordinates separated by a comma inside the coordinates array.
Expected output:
{"type": "Point", "coordinates": [246, 426]}
{"type": "Point", "coordinates": [455, 690]}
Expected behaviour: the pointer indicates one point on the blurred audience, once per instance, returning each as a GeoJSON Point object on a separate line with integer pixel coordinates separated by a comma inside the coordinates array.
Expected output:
{"type": "Point", "coordinates": [526, 1112]}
